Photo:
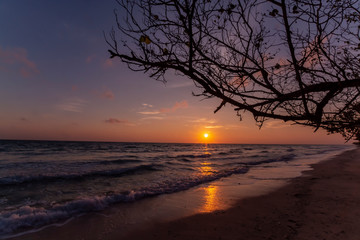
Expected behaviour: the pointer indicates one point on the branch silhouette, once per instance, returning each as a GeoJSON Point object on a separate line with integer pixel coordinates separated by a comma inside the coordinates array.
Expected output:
{"type": "Point", "coordinates": [295, 61]}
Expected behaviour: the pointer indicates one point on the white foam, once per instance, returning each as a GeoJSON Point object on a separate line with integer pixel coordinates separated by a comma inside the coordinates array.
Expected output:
{"type": "Point", "coordinates": [36, 217]}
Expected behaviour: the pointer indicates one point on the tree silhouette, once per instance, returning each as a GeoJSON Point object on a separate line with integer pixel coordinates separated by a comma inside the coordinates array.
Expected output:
{"type": "Point", "coordinates": [294, 60]}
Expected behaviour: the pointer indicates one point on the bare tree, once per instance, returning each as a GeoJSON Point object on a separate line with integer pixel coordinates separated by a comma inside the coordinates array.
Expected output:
{"type": "Point", "coordinates": [292, 60]}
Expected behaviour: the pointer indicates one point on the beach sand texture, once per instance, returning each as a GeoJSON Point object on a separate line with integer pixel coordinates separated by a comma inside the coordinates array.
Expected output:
{"type": "Point", "coordinates": [321, 204]}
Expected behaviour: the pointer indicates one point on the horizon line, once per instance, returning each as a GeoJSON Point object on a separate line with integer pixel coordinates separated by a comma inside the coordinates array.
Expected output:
{"type": "Point", "coordinates": [147, 142]}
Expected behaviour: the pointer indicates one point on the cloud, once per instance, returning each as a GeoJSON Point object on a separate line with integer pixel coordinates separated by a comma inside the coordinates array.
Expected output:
{"type": "Point", "coordinates": [181, 85]}
{"type": "Point", "coordinates": [119, 121]}
{"type": "Point", "coordinates": [153, 118]}
{"type": "Point", "coordinates": [115, 120]}
{"type": "Point", "coordinates": [90, 58]}
{"type": "Point", "coordinates": [147, 105]}
{"type": "Point", "coordinates": [203, 120]}
{"type": "Point", "coordinates": [17, 59]}
{"type": "Point", "coordinates": [235, 126]}
{"type": "Point", "coordinates": [72, 105]}
{"type": "Point", "coordinates": [108, 63]}
{"type": "Point", "coordinates": [24, 119]}
{"type": "Point", "coordinates": [150, 113]}
{"type": "Point", "coordinates": [275, 124]}
{"type": "Point", "coordinates": [214, 126]}
{"type": "Point", "coordinates": [177, 105]}
{"type": "Point", "coordinates": [104, 94]}
{"type": "Point", "coordinates": [108, 94]}
{"type": "Point", "coordinates": [74, 88]}
{"type": "Point", "coordinates": [206, 123]}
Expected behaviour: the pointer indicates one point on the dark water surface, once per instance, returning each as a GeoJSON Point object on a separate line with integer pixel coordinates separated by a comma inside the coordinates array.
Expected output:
{"type": "Point", "coordinates": [44, 182]}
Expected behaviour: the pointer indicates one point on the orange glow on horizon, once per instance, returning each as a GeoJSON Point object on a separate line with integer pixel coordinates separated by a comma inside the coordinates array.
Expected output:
{"type": "Point", "coordinates": [205, 137]}
{"type": "Point", "coordinates": [94, 128]}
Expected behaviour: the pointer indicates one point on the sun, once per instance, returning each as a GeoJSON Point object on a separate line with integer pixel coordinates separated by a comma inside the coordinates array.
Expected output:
{"type": "Point", "coordinates": [206, 135]}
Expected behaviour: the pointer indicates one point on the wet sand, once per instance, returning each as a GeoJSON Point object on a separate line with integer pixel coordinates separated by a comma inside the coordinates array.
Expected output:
{"type": "Point", "coordinates": [321, 204]}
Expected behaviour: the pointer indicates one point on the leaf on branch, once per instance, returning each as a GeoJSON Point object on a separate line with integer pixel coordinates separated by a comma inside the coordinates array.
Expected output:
{"type": "Point", "coordinates": [274, 12]}
{"type": "Point", "coordinates": [295, 9]}
{"type": "Point", "coordinates": [145, 39]}
{"type": "Point", "coordinates": [165, 51]}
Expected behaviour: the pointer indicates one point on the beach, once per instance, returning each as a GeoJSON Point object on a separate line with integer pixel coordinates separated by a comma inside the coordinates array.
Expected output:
{"type": "Point", "coordinates": [320, 204]}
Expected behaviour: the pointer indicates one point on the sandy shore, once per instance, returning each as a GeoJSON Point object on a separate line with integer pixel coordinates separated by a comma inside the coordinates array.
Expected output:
{"type": "Point", "coordinates": [321, 204]}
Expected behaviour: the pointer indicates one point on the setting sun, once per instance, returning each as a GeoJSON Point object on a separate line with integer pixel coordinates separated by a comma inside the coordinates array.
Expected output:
{"type": "Point", "coordinates": [206, 135]}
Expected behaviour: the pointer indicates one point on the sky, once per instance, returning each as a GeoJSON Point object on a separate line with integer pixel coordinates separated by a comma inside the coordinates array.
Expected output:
{"type": "Point", "coordinates": [58, 83]}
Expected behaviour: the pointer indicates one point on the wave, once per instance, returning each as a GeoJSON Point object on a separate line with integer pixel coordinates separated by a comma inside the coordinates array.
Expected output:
{"type": "Point", "coordinates": [284, 158]}
{"type": "Point", "coordinates": [185, 160]}
{"type": "Point", "coordinates": [223, 153]}
{"type": "Point", "coordinates": [15, 180]}
{"type": "Point", "coordinates": [206, 155]}
{"type": "Point", "coordinates": [29, 164]}
{"type": "Point", "coordinates": [235, 151]}
{"type": "Point", "coordinates": [319, 152]}
{"type": "Point", "coordinates": [36, 217]}
{"type": "Point", "coordinates": [116, 161]}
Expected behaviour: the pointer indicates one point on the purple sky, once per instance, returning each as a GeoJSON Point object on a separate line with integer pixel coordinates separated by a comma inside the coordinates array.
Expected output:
{"type": "Point", "coordinates": [57, 82]}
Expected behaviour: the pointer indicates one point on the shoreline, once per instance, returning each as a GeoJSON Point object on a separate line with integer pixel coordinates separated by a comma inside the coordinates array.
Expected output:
{"type": "Point", "coordinates": [252, 217]}
{"type": "Point", "coordinates": [320, 204]}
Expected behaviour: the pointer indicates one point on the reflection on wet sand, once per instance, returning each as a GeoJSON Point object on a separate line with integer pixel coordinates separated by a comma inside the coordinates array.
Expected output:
{"type": "Point", "coordinates": [211, 198]}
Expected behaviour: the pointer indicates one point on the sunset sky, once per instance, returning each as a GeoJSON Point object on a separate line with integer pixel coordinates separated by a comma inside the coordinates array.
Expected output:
{"type": "Point", "coordinates": [57, 83]}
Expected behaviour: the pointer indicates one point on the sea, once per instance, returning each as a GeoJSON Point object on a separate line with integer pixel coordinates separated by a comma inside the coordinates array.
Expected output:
{"type": "Point", "coordinates": [47, 182]}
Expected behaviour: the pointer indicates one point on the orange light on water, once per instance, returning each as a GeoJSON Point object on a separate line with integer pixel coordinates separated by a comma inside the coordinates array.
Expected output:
{"type": "Point", "coordinates": [206, 169]}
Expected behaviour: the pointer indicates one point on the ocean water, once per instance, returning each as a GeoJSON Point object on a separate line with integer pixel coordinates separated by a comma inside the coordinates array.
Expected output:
{"type": "Point", "coordinates": [46, 182]}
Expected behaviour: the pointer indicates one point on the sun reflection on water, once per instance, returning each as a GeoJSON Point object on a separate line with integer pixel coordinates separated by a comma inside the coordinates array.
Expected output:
{"type": "Point", "coordinates": [211, 192]}
{"type": "Point", "coordinates": [206, 169]}
{"type": "Point", "coordinates": [211, 198]}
